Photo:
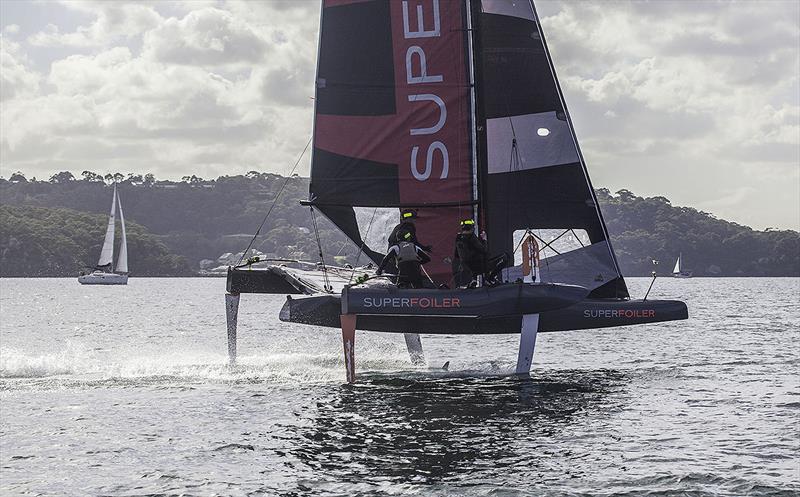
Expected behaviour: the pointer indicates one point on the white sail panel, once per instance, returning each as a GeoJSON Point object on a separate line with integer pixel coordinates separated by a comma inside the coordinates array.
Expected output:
{"type": "Point", "coordinates": [677, 265]}
{"type": "Point", "coordinates": [542, 140]}
{"type": "Point", "coordinates": [107, 254]}
{"type": "Point", "coordinates": [122, 261]}
{"type": "Point", "coordinates": [513, 8]}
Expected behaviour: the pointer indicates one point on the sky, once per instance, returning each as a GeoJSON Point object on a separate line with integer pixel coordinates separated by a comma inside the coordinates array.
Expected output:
{"type": "Point", "coordinates": [697, 101]}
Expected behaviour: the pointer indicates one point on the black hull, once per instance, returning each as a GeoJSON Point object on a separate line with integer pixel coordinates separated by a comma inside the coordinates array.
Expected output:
{"type": "Point", "coordinates": [586, 314]}
{"type": "Point", "coordinates": [269, 280]}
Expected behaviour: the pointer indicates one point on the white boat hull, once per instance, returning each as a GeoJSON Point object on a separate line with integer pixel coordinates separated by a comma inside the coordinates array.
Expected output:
{"type": "Point", "coordinates": [103, 279]}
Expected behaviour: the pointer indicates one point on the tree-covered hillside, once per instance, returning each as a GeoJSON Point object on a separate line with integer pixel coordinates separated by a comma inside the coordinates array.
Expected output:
{"type": "Point", "coordinates": [39, 241]}
{"type": "Point", "coordinates": [647, 229]}
{"type": "Point", "coordinates": [201, 219]}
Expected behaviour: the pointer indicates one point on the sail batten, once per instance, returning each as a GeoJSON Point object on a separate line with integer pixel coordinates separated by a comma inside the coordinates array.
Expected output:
{"type": "Point", "coordinates": [107, 252]}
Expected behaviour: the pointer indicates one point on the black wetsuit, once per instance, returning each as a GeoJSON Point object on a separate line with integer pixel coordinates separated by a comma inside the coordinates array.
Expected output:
{"type": "Point", "coordinates": [409, 258]}
{"type": "Point", "coordinates": [405, 227]}
{"type": "Point", "coordinates": [471, 258]}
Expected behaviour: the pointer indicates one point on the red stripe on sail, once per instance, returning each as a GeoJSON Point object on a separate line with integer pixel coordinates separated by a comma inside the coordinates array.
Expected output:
{"type": "Point", "coordinates": [428, 135]}
{"type": "Point", "coordinates": [421, 97]}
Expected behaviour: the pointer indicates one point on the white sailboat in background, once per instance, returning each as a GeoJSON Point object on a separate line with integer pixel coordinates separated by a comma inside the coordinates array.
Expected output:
{"type": "Point", "coordinates": [104, 274]}
{"type": "Point", "coordinates": [677, 272]}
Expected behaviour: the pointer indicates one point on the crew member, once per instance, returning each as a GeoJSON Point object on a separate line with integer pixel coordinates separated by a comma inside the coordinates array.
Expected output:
{"type": "Point", "coordinates": [471, 258]}
{"type": "Point", "coordinates": [409, 258]}
{"type": "Point", "coordinates": [407, 217]}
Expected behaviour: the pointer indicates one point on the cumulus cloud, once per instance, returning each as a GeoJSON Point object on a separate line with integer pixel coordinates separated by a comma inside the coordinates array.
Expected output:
{"type": "Point", "coordinates": [680, 98]}
{"type": "Point", "coordinates": [669, 98]}
{"type": "Point", "coordinates": [113, 21]}
{"type": "Point", "coordinates": [207, 36]}
{"type": "Point", "coordinates": [16, 79]}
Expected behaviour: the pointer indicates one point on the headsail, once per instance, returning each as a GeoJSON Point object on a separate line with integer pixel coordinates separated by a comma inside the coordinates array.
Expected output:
{"type": "Point", "coordinates": [677, 268]}
{"type": "Point", "coordinates": [393, 119]}
{"type": "Point", "coordinates": [533, 176]}
{"type": "Point", "coordinates": [122, 261]}
{"type": "Point", "coordinates": [107, 253]}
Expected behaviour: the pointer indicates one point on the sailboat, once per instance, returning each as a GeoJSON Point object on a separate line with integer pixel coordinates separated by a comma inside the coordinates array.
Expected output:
{"type": "Point", "coordinates": [104, 273]}
{"type": "Point", "coordinates": [677, 271]}
{"type": "Point", "coordinates": [451, 108]}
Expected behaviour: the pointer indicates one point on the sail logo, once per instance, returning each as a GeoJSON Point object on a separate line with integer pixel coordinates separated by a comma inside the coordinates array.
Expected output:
{"type": "Point", "coordinates": [416, 62]}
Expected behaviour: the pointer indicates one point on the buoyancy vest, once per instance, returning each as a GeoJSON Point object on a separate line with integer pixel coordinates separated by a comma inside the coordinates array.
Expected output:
{"type": "Point", "coordinates": [407, 252]}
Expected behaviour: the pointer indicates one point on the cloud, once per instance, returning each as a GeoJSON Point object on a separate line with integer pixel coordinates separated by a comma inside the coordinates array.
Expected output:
{"type": "Point", "coordinates": [668, 98]}
{"type": "Point", "coordinates": [683, 98]}
{"type": "Point", "coordinates": [16, 79]}
{"type": "Point", "coordinates": [208, 36]}
{"type": "Point", "coordinates": [114, 21]}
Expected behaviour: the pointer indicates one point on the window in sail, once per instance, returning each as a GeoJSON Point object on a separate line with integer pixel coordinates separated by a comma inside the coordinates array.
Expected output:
{"type": "Point", "coordinates": [565, 256]}
{"type": "Point", "coordinates": [374, 226]}
{"type": "Point", "coordinates": [542, 131]}
{"type": "Point", "coordinates": [551, 242]}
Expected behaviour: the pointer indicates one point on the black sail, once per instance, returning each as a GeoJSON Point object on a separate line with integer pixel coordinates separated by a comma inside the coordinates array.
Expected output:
{"type": "Point", "coordinates": [532, 177]}
{"type": "Point", "coordinates": [453, 107]}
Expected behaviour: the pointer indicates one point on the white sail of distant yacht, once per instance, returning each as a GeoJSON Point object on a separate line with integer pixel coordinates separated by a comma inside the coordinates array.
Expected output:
{"type": "Point", "coordinates": [104, 273]}
{"type": "Point", "coordinates": [107, 253]}
{"type": "Point", "coordinates": [678, 272]}
{"type": "Point", "coordinates": [122, 261]}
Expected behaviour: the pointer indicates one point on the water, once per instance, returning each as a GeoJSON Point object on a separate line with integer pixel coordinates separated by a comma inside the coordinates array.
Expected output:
{"type": "Point", "coordinates": [125, 391]}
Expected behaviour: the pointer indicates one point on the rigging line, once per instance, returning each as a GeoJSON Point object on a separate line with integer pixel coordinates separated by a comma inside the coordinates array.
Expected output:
{"type": "Point", "coordinates": [274, 202]}
{"type": "Point", "coordinates": [547, 244]}
{"type": "Point", "coordinates": [527, 232]}
{"type": "Point", "coordinates": [577, 237]}
{"type": "Point", "coordinates": [361, 247]}
{"type": "Point", "coordinates": [326, 282]}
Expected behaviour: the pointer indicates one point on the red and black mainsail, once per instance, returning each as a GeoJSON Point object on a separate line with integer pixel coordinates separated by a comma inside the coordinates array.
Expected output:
{"type": "Point", "coordinates": [452, 107]}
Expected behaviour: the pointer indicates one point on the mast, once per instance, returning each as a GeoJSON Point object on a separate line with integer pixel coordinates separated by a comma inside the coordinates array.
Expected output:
{"type": "Point", "coordinates": [477, 119]}
{"type": "Point", "coordinates": [122, 261]}
{"type": "Point", "coordinates": [107, 253]}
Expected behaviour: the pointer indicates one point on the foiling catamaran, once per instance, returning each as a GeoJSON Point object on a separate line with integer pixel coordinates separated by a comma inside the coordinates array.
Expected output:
{"type": "Point", "coordinates": [451, 107]}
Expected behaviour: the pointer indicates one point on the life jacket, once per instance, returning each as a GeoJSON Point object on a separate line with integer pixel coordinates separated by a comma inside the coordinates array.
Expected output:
{"type": "Point", "coordinates": [407, 252]}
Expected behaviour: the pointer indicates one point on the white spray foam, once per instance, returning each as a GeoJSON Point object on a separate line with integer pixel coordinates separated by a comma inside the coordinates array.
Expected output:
{"type": "Point", "coordinates": [78, 363]}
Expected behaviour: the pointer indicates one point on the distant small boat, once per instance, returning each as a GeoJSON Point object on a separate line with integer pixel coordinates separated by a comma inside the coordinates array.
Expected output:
{"type": "Point", "coordinates": [677, 272]}
{"type": "Point", "coordinates": [104, 273]}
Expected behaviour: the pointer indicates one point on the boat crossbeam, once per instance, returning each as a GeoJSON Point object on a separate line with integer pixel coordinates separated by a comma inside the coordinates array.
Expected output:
{"type": "Point", "coordinates": [232, 315]}
{"type": "Point", "coordinates": [527, 343]}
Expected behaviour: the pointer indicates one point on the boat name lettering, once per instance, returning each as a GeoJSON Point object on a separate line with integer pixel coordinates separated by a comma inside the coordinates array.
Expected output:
{"type": "Point", "coordinates": [617, 313]}
{"type": "Point", "coordinates": [416, 55]}
{"type": "Point", "coordinates": [410, 302]}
